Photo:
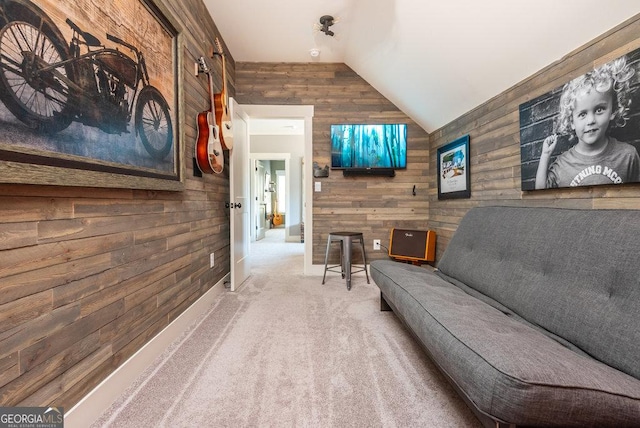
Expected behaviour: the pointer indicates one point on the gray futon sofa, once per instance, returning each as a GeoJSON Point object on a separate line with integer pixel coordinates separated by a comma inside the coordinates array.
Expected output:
{"type": "Point", "coordinates": [533, 314]}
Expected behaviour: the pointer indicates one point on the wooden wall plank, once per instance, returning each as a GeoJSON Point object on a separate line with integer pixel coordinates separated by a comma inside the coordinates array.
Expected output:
{"type": "Point", "coordinates": [16, 235]}
{"type": "Point", "coordinates": [32, 381]}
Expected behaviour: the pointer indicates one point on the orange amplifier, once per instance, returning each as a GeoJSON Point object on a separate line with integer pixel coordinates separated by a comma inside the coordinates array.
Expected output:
{"type": "Point", "coordinates": [412, 245]}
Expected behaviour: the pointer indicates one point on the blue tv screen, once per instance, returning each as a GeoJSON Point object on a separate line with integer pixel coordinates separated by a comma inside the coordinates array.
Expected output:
{"type": "Point", "coordinates": [369, 146]}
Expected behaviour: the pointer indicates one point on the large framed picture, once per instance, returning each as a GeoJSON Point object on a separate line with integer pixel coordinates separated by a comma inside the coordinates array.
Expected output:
{"type": "Point", "coordinates": [453, 170]}
{"type": "Point", "coordinates": [585, 132]}
{"type": "Point", "coordinates": [89, 95]}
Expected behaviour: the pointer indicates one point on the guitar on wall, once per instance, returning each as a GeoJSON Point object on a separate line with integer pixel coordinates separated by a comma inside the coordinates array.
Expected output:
{"type": "Point", "coordinates": [209, 157]}
{"type": "Point", "coordinates": [277, 217]}
{"type": "Point", "coordinates": [221, 102]}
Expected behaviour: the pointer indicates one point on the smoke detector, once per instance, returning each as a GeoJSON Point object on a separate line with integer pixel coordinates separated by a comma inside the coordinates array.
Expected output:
{"type": "Point", "coordinates": [315, 52]}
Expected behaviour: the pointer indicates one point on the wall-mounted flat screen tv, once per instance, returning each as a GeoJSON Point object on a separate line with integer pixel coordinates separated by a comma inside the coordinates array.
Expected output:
{"type": "Point", "coordinates": [369, 146]}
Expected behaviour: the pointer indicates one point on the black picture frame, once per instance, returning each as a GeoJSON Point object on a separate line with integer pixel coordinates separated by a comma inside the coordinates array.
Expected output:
{"type": "Point", "coordinates": [541, 116]}
{"type": "Point", "coordinates": [454, 180]}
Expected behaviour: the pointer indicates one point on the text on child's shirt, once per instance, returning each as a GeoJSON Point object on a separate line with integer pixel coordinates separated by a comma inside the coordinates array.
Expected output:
{"type": "Point", "coordinates": [593, 170]}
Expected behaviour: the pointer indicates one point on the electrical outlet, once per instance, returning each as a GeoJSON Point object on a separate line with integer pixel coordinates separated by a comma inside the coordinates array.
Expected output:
{"type": "Point", "coordinates": [211, 260]}
{"type": "Point", "coordinates": [376, 244]}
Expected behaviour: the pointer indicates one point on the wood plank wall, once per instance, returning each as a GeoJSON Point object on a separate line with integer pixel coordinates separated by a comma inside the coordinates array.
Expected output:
{"type": "Point", "coordinates": [89, 275]}
{"type": "Point", "coordinates": [495, 143]}
{"type": "Point", "coordinates": [371, 205]}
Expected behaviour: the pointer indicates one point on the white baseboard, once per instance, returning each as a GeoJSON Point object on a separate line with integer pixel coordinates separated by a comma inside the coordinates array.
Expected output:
{"type": "Point", "coordinates": [96, 402]}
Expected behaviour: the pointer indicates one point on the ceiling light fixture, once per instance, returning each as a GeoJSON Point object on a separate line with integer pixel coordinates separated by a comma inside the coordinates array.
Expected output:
{"type": "Point", "coordinates": [327, 21]}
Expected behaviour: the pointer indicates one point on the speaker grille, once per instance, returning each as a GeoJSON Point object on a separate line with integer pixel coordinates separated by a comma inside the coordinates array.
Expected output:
{"type": "Point", "coordinates": [412, 244]}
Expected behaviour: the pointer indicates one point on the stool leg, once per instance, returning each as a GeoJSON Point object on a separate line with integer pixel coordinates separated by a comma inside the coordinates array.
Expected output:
{"type": "Point", "coordinates": [342, 259]}
{"type": "Point", "coordinates": [326, 259]}
{"type": "Point", "coordinates": [364, 257]}
{"type": "Point", "coordinates": [347, 260]}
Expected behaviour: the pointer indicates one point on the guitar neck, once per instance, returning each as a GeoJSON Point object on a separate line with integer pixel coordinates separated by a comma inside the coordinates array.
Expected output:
{"type": "Point", "coordinates": [224, 80]}
{"type": "Point", "coordinates": [211, 99]}
{"type": "Point", "coordinates": [223, 93]}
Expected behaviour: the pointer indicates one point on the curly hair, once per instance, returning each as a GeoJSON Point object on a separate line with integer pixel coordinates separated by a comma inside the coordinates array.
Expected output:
{"type": "Point", "coordinates": [611, 77]}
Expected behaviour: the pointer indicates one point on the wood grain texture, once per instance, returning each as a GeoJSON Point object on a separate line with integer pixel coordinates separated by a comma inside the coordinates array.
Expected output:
{"type": "Point", "coordinates": [371, 205]}
{"type": "Point", "coordinates": [89, 274]}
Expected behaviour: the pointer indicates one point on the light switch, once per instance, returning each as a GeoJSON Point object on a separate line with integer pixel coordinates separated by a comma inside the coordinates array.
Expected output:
{"type": "Point", "coordinates": [318, 186]}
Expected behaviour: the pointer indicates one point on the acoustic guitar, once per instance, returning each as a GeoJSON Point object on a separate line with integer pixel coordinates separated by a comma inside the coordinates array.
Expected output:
{"type": "Point", "coordinates": [221, 100]}
{"type": "Point", "coordinates": [209, 157]}
{"type": "Point", "coordinates": [277, 217]}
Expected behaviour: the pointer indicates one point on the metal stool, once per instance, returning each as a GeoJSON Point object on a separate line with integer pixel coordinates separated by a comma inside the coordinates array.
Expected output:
{"type": "Point", "coordinates": [346, 240]}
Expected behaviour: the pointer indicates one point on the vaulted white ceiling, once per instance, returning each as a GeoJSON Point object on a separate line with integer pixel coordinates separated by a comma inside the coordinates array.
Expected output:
{"type": "Point", "coordinates": [435, 60]}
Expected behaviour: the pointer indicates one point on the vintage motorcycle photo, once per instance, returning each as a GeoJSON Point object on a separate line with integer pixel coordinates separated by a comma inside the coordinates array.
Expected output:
{"type": "Point", "coordinates": [48, 83]}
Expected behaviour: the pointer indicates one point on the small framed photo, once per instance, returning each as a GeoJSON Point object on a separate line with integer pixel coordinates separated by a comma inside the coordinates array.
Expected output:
{"type": "Point", "coordinates": [453, 170]}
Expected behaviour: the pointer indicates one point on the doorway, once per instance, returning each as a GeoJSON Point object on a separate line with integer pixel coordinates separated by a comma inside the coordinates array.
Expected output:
{"type": "Point", "coordinates": [276, 196]}
{"type": "Point", "coordinates": [304, 114]}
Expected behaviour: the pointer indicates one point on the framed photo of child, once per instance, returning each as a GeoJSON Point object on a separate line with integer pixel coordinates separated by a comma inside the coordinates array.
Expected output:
{"type": "Point", "coordinates": [586, 132]}
{"type": "Point", "coordinates": [453, 169]}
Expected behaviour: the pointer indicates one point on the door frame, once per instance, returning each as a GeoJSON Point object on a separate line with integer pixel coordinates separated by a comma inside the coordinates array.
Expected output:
{"type": "Point", "coordinates": [304, 112]}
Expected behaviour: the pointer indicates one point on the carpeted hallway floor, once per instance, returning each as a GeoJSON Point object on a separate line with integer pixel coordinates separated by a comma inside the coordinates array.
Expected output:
{"type": "Point", "coordinates": [286, 350]}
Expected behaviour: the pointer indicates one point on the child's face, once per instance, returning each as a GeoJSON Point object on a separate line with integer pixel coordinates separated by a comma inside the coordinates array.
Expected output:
{"type": "Point", "coordinates": [591, 115]}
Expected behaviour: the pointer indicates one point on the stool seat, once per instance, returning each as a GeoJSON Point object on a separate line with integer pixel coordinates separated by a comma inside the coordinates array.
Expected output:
{"type": "Point", "coordinates": [346, 240]}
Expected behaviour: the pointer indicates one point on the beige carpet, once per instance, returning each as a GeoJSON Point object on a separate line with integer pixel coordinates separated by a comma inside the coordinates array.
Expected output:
{"type": "Point", "coordinates": [288, 351]}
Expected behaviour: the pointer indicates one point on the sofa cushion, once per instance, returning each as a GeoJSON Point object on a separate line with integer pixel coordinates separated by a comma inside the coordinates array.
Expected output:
{"type": "Point", "coordinates": [575, 273]}
{"type": "Point", "coordinates": [505, 368]}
